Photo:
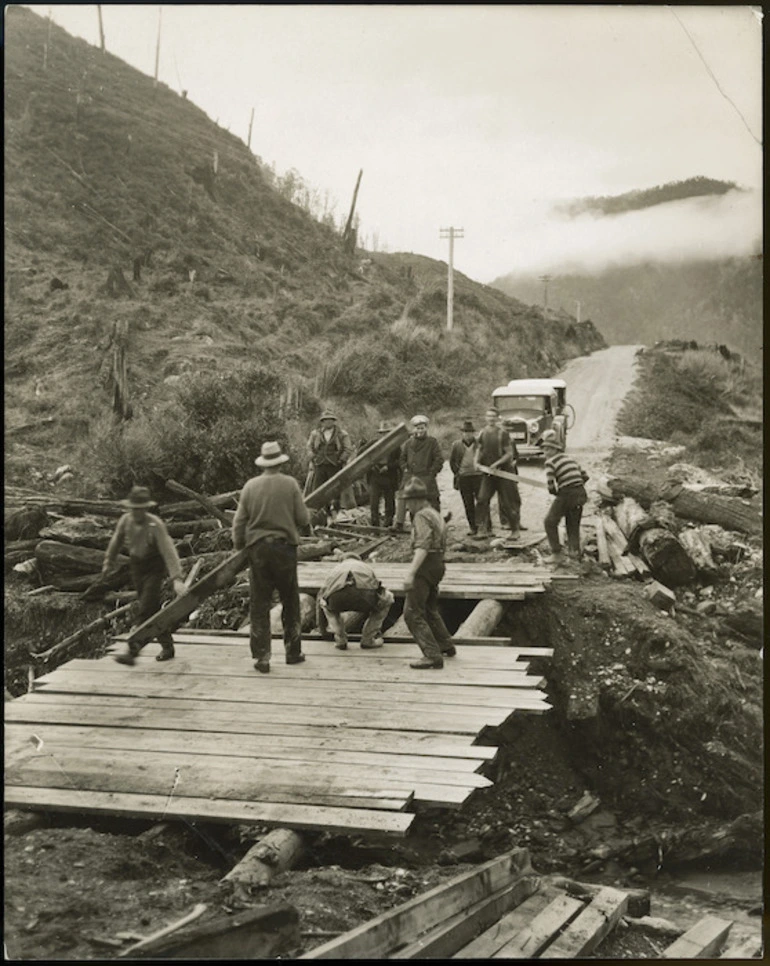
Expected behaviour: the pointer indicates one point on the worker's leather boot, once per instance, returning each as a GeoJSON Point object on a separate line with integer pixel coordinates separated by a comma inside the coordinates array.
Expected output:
{"type": "Point", "coordinates": [166, 654]}
{"type": "Point", "coordinates": [426, 663]}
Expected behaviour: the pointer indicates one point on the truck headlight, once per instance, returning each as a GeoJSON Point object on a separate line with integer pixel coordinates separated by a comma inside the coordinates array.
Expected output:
{"type": "Point", "coordinates": [533, 425]}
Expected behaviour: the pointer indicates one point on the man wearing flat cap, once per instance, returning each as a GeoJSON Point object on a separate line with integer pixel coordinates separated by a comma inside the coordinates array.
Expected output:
{"type": "Point", "coordinates": [467, 478]}
{"type": "Point", "coordinates": [420, 459]}
{"type": "Point", "coordinates": [270, 514]}
{"type": "Point", "coordinates": [498, 451]}
{"type": "Point", "coordinates": [152, 553]}
{"type": "Point", "coordinates": [329, 448]}
{"type": "Point", "coordinates": [421, 584]}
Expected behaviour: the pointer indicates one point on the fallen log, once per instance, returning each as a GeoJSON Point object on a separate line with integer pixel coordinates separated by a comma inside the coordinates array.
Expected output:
{"type": "Point", "coordinates": [698, 549]}
{"type": "Point", "coordinates": [356, 467]}
{"type": "Point", "coordinates": [56, 557]}
{"type": "Point", "coordinates": [667, 558]}
{"type": "Point", "coordinates": [14, 546]}
{"type": "Point", "coordinates": [204, 501]}
{"type": "Point", "coordinates": [186, 506]}
{"type": "Point", "coordinates": [13, 557]}
{"type": "Point", "coordinates": [728, 512]}
{"type": "Point", "coordinates": [278, 851]}
{"type": "Point", "coordinates": [748, 621]}
{"type": "Point", "coordinates": [314, 551]}
{"type": "Point", "coordinates": [482, 620]}
{"type": "Point", "coordinates": [181, 528]}
{"type": "Point", "coordinates": [307, 615]}
{"type": "Point", "coordinates": [80, 531]}
{"type": "Point", "coordinates": [65, 647]}
{"type": "Point", "coordinates": [24, 524]}
{"type": "Point", "coordinates": [628, 515]}
{"type": "Point", "coordinates": [70, 507]}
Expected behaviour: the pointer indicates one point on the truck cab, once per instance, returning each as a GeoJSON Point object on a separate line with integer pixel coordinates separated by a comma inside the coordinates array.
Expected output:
{"type": "Point", "coordinates": [528, 407]}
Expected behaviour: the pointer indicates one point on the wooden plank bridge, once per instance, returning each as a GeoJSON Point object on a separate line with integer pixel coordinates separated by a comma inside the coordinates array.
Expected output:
{"type": "Point", "coordinates": [352, 742]}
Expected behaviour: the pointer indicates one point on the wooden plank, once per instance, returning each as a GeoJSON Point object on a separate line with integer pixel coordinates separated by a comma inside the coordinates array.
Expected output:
{"type": "Point", "coordinates": [749, 948]}
{"type": "Point", "coordinates": [230, 718]}
{"type": "Point", "coordinates": [601, 543]}
{"type": "Point", "coordinates": [703, 940]}
{"type": "Point", "coordinates": [529, 941]}
{"type": "Point", "coordinates": [17, 737]}
{"type": "Point", "coordinates": [584, 934]}
{"type": "Point", "coordinates": [444, 940]}
{"type": "Point", "coordinates": [98, 770]}
{"type": "Point", "coordinates": [145, 681]}
{"type": "Point", "coordinates": [494, 938]}
{"type": "Point", "coordinates": [387, 672]}
{"type": "Point", "coordinates": [514, 477]}
{"type": "Point", "coordinates": [380, 936]}
{"type": "Point", "coordinates": [238, 638]}
{"type": "Point", "coordinates": [282, 814]}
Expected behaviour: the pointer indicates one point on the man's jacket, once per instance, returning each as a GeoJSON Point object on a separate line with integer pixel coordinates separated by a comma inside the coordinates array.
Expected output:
{"type": "Point", "coordinates": [422, 458]}
{"type": "Point", "coordinates": [335, 451]}
{"type": "Point", "coordinates": [387, 469]}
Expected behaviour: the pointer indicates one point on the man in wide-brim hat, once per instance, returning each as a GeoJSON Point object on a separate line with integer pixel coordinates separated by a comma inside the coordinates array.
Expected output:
{"type": "Point", "coordinates": [422, 581]}
{"type": "Point", "coordinates": [151, 553]}
{"type": "Point", "coordinates": [467, 478]}
{"type": "Point", "coordinates": [329, 448]}
{"type": "Point", "coordinates": [383, 479]}
{"type": "Point", "coordinates": [270, 514]}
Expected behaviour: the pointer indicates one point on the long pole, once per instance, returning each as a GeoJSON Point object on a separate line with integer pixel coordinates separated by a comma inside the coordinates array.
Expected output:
{"type": "Point", "coordinates": [157, 47]}
{"type": "Point", "coordinates": [577, 302]}
{"type": "Point", "coordinates": [545, 279]}
{"type": "Point", "coordinates": [451, 233]}
{"type": "Point", "coordinates": [101, 26]}
{"type": "Point", "coordinates": [251, 121]}
{"type": "Point", "coordinates": [47, 42]}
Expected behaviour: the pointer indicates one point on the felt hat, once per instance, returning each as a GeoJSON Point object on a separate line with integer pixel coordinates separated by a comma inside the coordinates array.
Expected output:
{"type": "Point", "coordinates": [415, 489]}
{"type": "Point", "coordinates": [139, 497]}
{"type": "Point", "coordinates": [419, 420]}
{"type": "Point", "coordinates": [385, 427]}
{"type": "Point", "coordinates": [271, 455]}
{"type": "Point", "coordinates": [468, 426]}
{"type": "Point", "coordinates": [551, 440]}
{"type": "Point", "coordinates": [327, 414]}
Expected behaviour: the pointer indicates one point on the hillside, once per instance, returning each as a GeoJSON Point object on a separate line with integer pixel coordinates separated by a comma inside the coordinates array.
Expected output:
{"type": "Point", "coordinates": [103, 170]}
{"type": "Point", "coordinates": [708, 300]}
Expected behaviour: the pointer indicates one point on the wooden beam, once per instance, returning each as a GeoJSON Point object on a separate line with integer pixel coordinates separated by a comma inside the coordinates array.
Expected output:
{"type": "Point", "coordinates": [487, 944]}
{"type": "Point", "coordinates": [514, 477]}
{"type": "Point", "coordinates": [584, 933]}
{"type": "Point", "coordinates": [703, 940]}
{"type": "Point", "coordinates": [345, 821]}
{"type": "Point", "coordinates": [383, 935]}
{"type": "Point", "coordinates": [204, 501]}
{"type": "Point", "coordinates": [482, 620]}
{"type": "Point", "coordinates": [529, 941]}
{"type": "Point", "coordinates": [276, 852]}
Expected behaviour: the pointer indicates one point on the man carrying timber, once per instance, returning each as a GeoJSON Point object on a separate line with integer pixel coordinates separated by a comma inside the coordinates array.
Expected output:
{"type": "Point", "coordinates": [152, 553]}
{"type": "Point", "coordinates": [270, 515]}
{"type": "Point", "coordinates": [422, 581]}
{"type": "Point", "coordinates": [467, 478]}
{"type": "Point", "coordinates": [383, 480]}
{"type": "Point", "coordinates": [498, 451]}
{"type": "Point", "coordinates": [353, 586]}
{"type": "Point", "coordinates": [566, 481]}
{"type": "Point", "coordinates": [329, 448]}
{"type": "Point", "coordinates": [421, 459]}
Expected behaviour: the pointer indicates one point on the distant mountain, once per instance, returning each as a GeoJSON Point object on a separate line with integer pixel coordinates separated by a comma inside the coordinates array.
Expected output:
{"type": "Point", "coordinates": [716, 300]}
{"type": "Point", "coordinates": [698, 187]}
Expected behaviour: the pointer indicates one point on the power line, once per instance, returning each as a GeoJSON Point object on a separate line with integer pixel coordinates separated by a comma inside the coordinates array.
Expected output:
{"type": "Point", "coordinates": [711, 75]}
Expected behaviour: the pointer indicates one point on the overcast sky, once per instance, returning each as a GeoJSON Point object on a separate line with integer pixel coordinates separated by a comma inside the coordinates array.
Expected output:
{"type": "Point", "coordinates": [481, 117]}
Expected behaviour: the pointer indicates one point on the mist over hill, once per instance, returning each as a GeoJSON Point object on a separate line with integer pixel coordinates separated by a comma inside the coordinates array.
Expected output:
{"type": "Point", "coordinates": [107, 175]}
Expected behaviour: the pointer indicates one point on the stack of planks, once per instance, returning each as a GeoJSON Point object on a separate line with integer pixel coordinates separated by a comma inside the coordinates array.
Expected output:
{"type": "Point", "coordinates": [613, 552]}
{"type": "Point", "coordinates": [347, 742]}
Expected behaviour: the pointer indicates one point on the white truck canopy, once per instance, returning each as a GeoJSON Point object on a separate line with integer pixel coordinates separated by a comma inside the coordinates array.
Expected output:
{"type": "Point", "coordinates": [530, 387]}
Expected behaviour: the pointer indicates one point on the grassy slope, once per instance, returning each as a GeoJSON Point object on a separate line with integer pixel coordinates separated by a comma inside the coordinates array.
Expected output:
{"type": "Point", "coordinates": [90, 187]}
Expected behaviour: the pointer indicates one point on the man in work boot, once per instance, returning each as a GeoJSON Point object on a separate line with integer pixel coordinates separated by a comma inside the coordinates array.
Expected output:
{"type": "Point", "coordinates": [383, 479]}
{"type": "Point", "coordinates": [421, 459]}
{"type": "Point", "coordinates": [329, 448]}
{"type": "Point", "coordinates": [497, 451]}
{"type": "Point", "coordinates": [467, 478]}
{"type": "Point", "coordinates": [421, 584]}
{"type": "Point", "coordinates": [353, 586]}
{"type": "Point", "coordinates": [270, 515]}
{"type": "Point", "coordinates": [566, 481]}
{"type": "Point", "coordinates": [152, 553]}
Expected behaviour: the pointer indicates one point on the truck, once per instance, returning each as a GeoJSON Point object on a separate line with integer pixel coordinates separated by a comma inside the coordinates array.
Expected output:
{"type": "Point", "coordinates": [528, 407]}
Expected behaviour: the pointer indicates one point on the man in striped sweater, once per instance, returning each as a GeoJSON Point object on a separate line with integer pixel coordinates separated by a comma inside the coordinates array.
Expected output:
{"type": "Point", "coordinates": [566, 481]}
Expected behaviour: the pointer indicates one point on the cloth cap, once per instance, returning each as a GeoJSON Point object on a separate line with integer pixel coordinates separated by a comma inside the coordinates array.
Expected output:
{"type": "Point", "coordinates": [327, 414]}
{"type": "Point", "coordinates": [492, 412]}
{"type": "Point", "coordinates": [419, 420]}
{"type": "Point", "coordinates": [551, 440]}
{"type": "Point", "coordinates": [271, 455]}
{"type": "Point", "coordinates": [139, 497]}
{"type": "Point", "coordinates": [415, 489]}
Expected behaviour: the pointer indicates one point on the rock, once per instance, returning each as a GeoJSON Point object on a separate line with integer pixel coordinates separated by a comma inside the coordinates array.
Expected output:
{"type": "Point", "coordinates": [659, 595]}
{"type": "Point", "coordinates": [586, 804]}
{"type": "Point", "coordinates": [706, 607]}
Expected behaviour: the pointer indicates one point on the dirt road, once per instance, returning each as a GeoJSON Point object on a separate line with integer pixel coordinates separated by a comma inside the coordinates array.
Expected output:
{"type": "Point", "coordinates": [596, 387]}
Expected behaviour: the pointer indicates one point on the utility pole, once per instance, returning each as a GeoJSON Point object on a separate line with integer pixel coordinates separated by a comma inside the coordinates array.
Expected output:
{"type": "Point", "coordinates": [251, 121]}
{"type": "Point", "coordinates": [101, 27]}
{"type": "Point", "coordinates": [47, 42]}
{"type": "Point", "coordinates": [157, 47]}
{"type": "Point", "coordinates": [545, 279]}
{"type": "Point", "coordinates": [349, 233]}
{"type": "Point", "coordinates": [451, 233]}
{"type": "Point", "coordinates": [577, 316]}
